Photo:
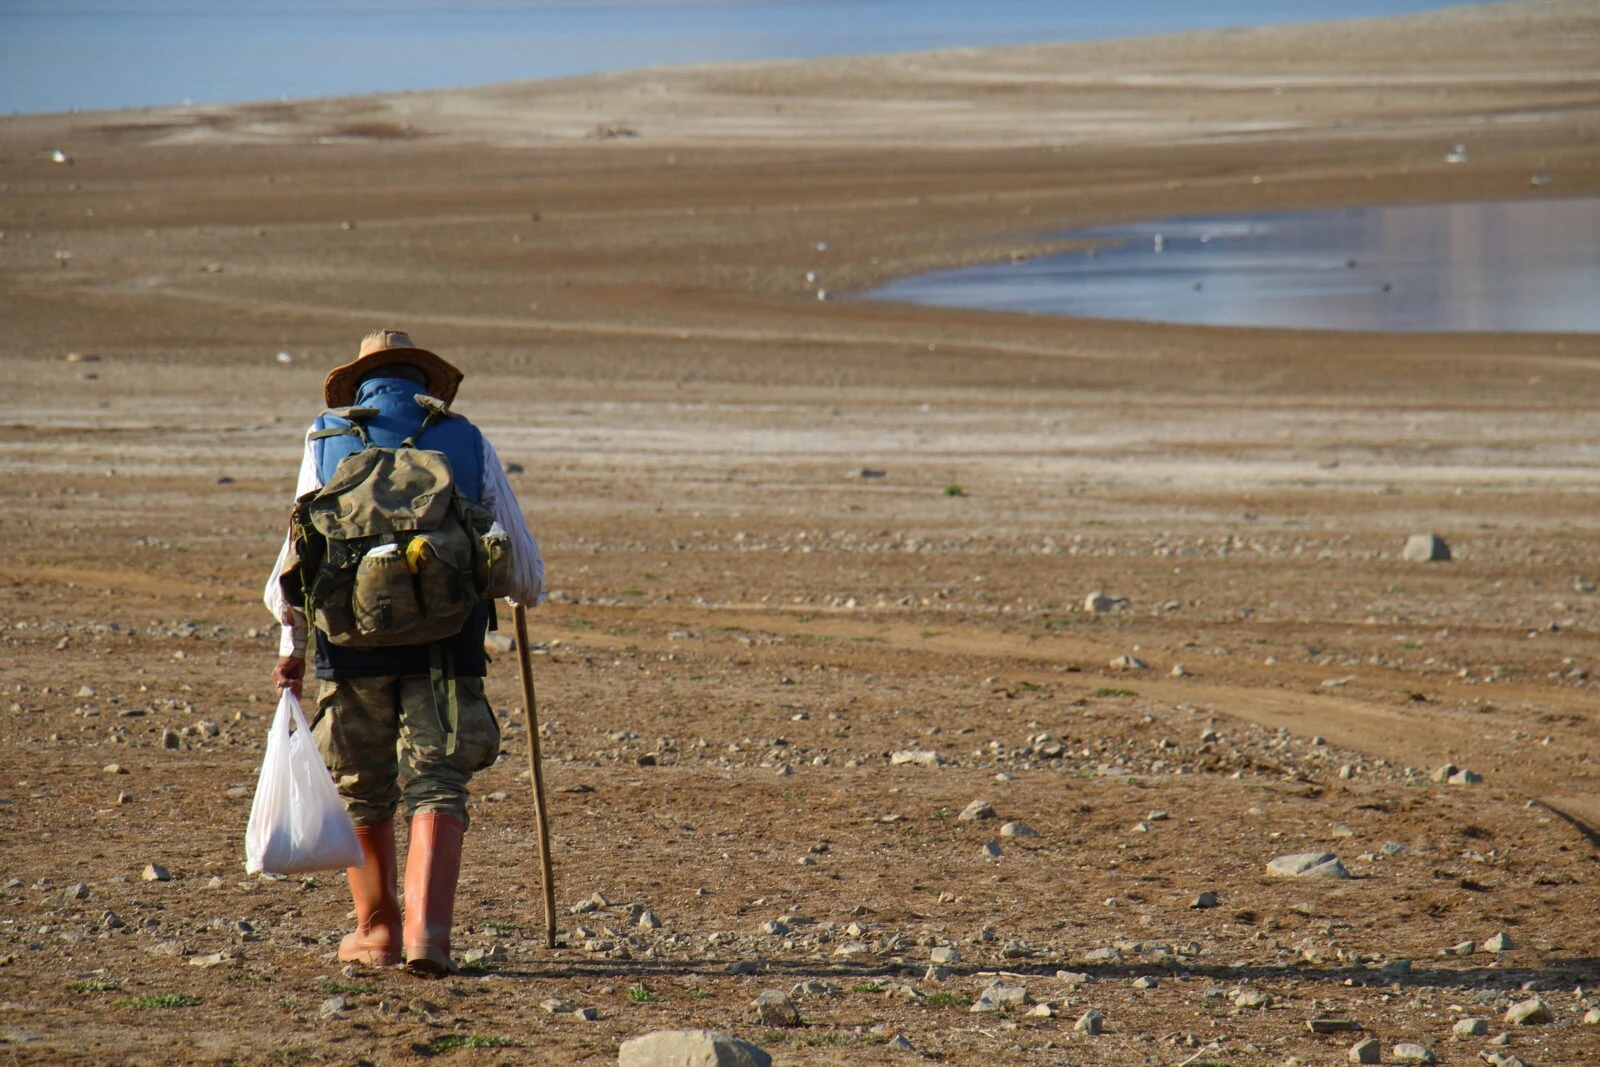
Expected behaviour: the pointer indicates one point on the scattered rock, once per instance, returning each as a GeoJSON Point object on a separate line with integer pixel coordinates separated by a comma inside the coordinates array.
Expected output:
{"type": "Point", "coordinates": [1128, 663]}
{"type": "Point", "coordinates": [114, 768]}
{"type": "Point", "coordinates": [74, 892]}
{"type": "Point", "coordinates": [1470, 1028]}
{"type": "Point", "coordinates": [1500, 942]}
{"type": "Point", "coordinates": [991, 850]}
{"type": "Point", "coordinates": [1462, 948]}
{"type": "Point", "coordinates": [1098, 603]}
{"type": "Point", "coordinates": [1465, 777]}
{"type": "Point", "coordinates": [1251, 998]}
{"type": "Point", "coordinates": [1332, 1026]}
{"type": "Point", "coordinates": [978, 809]}
{"type": "Point", "coordinates": [999, 997]}
{"type": "Point", "coordinates": [1179, 671]}
{"type": "Point", "coordinates": [774, 1008]}
{"type": "Point", "coordinates": [944, 954]}
{"type": "Point", "coordinates": [170, 738]}
{"type": "Point", "coordinates": [333, 1006]}
{"type": "Point", "coordinates": [154, 872]}
{"type": "Point", "coordinates": [648, 921]}
{"type": "Point", "coordinates": [1592, 1017]}
{"type": "Point", "coordinates": [916, 757]}
{"type": "Point", "coordinates": [1208, 899]}
{"type": "Point", "coordinates": [1308, 865]}
{"type": "Point", "coordinates": [1528, 1013]}
{"type": "Point", "coordinates": [588, 1015]}
{"type": "Point", "coordinates": [493, 954]}
{"type": "Point", "coordinates": [1017, 829]}
{"type": "Point", "coordinates": [1145, 982]}
{"type": "Point", "coordinates": [1410, 1052]}
{"type": "Point", "coordinates": [1090, 1022]}
{"type": "Point", "coordinates": [1502, 1059]}
{"type": "Point", "coordinates": [1426, 548]}
{"type": "Point", "coordinates": [814, 987]}
{"type": "Point", "coordinates": [215, 959]}
{"type": "Point", "coordinates": [1366, 1050]}
{"type": "Point", "coordinates": [499, 644]}
{"type": "Point", "coordinates": [898, 1043]}
{"type": "Point", "coordinates": [690, 1048]}
{"type": "Point", "coordinates": [124, 796]}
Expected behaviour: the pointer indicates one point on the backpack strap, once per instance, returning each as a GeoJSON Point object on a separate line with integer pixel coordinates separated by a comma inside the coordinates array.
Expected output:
{"type": "Point", "coordinates": [436, 409]}
{"type": "Point", "coordinates": [356, 417]}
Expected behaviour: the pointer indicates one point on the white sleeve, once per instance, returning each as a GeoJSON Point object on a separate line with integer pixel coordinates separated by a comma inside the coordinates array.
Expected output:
{"type": "Point", "coordinates": [526, 563]}
{"type": "Point", "coordinates": [292, 639]}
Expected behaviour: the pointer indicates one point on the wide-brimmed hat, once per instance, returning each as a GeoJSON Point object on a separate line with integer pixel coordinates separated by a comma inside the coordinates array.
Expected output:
{"type": "Point", "coordinates": [380, 348]}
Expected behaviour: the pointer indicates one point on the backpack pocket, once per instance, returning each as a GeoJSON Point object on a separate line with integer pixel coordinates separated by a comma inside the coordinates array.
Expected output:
{"type": "Point", "coordinates": [384, 600]}
{"type": "Point", "coordinates": [441, 561]}
{"type": "Point", "coordinates": [492, 567]}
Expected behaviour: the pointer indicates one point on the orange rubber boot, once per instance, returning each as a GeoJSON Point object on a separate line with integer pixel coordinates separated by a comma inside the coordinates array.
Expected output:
{"type": "Point", "coordinates": [376, 940]}
{"type": "Point", "coordinates": [433, 864]}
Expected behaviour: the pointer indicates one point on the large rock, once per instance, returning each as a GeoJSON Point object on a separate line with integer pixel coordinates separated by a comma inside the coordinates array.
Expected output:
{"type": "Point", "coordinates": [1426, 548]}
{"type": "Point", "coordinates": [774, 1008]}
{"type": "Point", "coordinates": [690, 1048]}
{"type": "Point", "coordinates": [1531, 1012]}
{"type": "Point", "coordinates": [1367, 1050]}
{"type": "Point", "coordinates": [1308, 865]}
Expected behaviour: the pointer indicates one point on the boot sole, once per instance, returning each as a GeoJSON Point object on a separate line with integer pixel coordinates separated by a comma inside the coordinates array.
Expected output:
{"type": "Point", "coordinates": [430, 965]}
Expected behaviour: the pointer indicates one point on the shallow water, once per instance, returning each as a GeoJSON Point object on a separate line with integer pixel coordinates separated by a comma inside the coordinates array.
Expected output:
{"type": "Point", "coordinates": [1514, 266]}
{"type": "Point", "coordinates": [62, 54]}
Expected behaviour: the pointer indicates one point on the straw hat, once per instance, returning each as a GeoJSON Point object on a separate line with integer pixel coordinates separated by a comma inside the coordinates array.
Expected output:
{"type": "Point", "coordinates": [380, 348]}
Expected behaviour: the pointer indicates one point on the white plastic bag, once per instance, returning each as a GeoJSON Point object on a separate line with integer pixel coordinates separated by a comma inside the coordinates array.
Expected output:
{"type": "Point", "coordinates": [297, 821]}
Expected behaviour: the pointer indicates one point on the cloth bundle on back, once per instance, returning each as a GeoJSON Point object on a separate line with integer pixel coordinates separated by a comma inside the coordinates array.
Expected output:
{"type": "Point", "coordinates": [403, 532]}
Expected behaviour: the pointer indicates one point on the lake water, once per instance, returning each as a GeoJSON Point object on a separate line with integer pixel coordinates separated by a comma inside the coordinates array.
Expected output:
{"type": "Point", "coordinates": [1516, 266]}
{"type": "Point", "coordinates": [56, 55]}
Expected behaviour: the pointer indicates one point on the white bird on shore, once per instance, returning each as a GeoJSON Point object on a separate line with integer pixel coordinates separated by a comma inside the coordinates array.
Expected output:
{"type": "Point", "coordinates": [60, 156]}
{"type": "Point", "coordinates": [1160, 242]}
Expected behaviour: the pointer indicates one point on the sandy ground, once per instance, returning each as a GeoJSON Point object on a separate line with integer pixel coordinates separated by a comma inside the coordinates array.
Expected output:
{"type": "Point", "coordinates": [620, 264]}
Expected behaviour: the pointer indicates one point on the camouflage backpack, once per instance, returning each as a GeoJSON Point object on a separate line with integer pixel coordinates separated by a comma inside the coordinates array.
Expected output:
{"type": "Point", "coordinates": [388, 551]}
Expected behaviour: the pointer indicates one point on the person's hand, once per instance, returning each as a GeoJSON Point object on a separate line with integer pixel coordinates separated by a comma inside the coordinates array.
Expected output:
{"type": "Point", "coordinates": [289, 673]}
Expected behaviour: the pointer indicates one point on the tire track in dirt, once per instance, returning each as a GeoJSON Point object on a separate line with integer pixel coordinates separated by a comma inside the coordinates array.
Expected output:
{"type": "Point", "coordinates": [1413, 734]}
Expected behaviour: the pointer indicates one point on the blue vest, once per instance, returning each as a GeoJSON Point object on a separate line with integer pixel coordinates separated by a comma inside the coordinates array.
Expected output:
{"type": "Point", "coordinates": [398, 417]}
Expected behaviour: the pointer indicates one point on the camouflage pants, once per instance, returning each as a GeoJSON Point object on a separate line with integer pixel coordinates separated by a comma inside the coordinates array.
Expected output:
{"type": "Point", "coordinates": [383, 740]}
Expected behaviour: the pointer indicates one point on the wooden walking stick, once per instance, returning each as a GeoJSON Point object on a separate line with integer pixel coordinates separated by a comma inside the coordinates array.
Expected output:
{"type": "Point", "coordinates": [540, 815]}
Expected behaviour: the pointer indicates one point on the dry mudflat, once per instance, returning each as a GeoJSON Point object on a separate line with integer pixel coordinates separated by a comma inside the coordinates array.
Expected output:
{"type": "Point", "coordinates": [746, 626]}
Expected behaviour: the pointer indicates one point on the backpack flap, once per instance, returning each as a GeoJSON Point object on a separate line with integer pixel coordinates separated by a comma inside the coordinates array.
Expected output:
{"type": "Point", "coordinates": [380, 492]}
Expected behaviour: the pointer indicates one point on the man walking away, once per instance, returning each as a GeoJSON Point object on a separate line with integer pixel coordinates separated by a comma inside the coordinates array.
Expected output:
{"type": "Point", "coordinates": [399, 722]}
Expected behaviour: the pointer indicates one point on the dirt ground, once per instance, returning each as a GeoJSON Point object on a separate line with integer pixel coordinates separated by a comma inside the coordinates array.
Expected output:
{"type": "Point", "coordinates": [745, 625]}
